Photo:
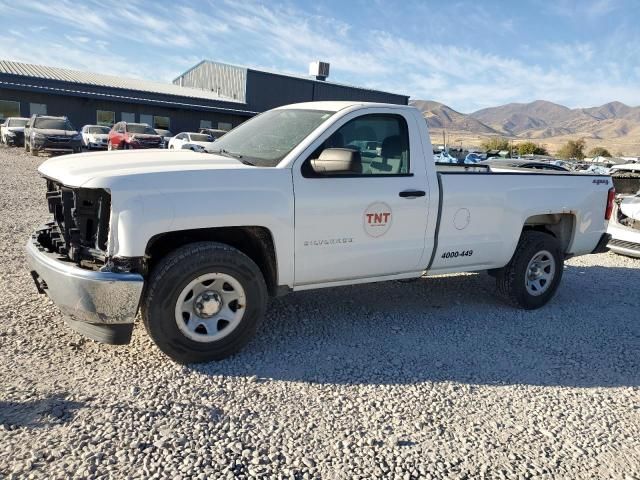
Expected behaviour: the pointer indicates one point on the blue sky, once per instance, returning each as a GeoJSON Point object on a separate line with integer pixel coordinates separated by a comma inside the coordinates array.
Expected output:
{"type": "Point", "coordinates": [467, 54]}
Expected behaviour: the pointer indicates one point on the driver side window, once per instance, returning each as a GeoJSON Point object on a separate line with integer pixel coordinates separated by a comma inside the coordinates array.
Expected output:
{"type": "Point", "coordinates": [381, 139]}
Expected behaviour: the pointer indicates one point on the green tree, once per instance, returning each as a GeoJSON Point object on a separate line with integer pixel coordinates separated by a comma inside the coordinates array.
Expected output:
{"type": "Point", "coordinates": [599, 152]}
{"type": "Point", "coordinates": [496, 143]}
{"type": "Point", "coordinates": [530, 148]}
{"type": "Point", "coordinates": [573, 149]}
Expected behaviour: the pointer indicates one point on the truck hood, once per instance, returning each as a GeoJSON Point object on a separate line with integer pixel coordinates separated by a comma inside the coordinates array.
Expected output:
{"type": "Point", "coordinates": [78, 169]}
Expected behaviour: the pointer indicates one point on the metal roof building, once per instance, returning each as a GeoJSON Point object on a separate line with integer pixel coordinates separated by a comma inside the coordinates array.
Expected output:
{"type": "Point", "coordinates": [210, 94]}
{"type": "Point", "coordinates": [263, 89]}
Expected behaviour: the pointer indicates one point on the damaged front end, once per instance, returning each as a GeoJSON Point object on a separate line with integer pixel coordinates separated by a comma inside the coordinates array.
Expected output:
{"type": "Point", "coordinates": [80, 228]}
{"type": "Point", "coordinates": [69, 260]}
{"type": "Point", "coordinates": [624, 226]}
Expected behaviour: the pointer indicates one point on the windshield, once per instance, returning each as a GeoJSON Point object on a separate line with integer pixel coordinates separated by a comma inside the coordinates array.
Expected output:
{"type": "Point", "coordinates": [140, 128]}
{"type": "Point", "coordinates": [268, 138]}
{"type": "Point", "coordinates": [17, 122]}
{"type": "Point", "coordinates": [53, 124]}
{"type": "Point", "coordinates": [98, 130]}
{"type": "Point", "coordinates": [201, 137]}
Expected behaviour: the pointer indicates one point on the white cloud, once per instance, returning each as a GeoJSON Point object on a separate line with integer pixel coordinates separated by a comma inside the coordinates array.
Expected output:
{"type": "Point", "coordinates": [284, 37]}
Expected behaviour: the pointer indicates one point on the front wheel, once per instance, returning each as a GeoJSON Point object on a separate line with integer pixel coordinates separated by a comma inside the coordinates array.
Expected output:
{"type": "Point", "coordinates": [532, 276]}
{"type": "Point", "coordinates": [204, 302]}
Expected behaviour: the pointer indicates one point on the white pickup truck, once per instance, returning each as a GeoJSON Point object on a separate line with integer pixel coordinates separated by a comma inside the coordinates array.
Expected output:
{"type": "Point", "coordinates": [301, 197]}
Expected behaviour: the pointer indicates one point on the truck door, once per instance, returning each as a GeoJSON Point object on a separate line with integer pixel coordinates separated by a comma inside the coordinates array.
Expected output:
{"type": "Point", "coordinates": [366, 224]}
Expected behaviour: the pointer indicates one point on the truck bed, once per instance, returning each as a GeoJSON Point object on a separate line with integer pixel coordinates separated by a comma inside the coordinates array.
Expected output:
{"type": "Point", "coordinates": [479, 208]}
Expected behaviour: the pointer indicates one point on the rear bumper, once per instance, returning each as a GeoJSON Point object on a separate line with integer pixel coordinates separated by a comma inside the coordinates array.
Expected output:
{"type": "Point", "coordinates": [85, 296]}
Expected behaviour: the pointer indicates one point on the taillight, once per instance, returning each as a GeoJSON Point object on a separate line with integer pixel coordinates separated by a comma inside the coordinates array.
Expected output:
{"type": "Point", "coordinates": [610, 199]}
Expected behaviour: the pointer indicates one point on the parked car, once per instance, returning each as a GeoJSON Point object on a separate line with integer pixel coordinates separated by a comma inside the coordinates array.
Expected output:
{"type": "Point", "coordinates": [444, 157]}
{"type": "Point", "coordinates": [12, 131]}
{"type": "Point", "coordinates": [514, 164]}
{"type": "Point", "coordinates": [166, 136]}
{"type": "Point", "coordinates": [286, 205]}
{"type": "Point", "coordinates": [198, 142]}
{"type": "Point", "coordinates": [624, 226]}
{"type": "Point", "coordinates": [95, 136]}
{"type": "Point", "coordinates": [51, 134]}
{"type": "Point", "coordinates": [473, 158]}
{"type": "Point", "coordinates": [124, 135]}
{"type": "Point", "coordinates": [213, 132]}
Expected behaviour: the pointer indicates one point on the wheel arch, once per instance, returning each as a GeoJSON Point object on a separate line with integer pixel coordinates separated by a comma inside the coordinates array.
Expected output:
{"type": "Point", "coordinates": [254, 241]}
{"type": "Point", "coordinates": [559, 225]}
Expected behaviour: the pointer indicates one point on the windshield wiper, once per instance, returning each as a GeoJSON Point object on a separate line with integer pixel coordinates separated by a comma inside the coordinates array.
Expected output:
{"type": "Point", "coordinates": [222, 151]}
{"type": "Point", "coordinates": [237, 156]}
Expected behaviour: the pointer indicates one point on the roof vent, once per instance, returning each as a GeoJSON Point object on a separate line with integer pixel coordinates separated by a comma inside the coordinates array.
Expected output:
{"type": "Point", "coordinates": [320, 70]}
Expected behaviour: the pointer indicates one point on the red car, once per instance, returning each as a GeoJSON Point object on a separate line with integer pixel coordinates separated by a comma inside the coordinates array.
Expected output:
{"type": "Point", "coordinates": [125, 135]}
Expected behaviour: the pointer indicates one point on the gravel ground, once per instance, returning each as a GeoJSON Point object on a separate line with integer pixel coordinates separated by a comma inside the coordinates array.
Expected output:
{"type": "Point", "coordinates": [430, 379]}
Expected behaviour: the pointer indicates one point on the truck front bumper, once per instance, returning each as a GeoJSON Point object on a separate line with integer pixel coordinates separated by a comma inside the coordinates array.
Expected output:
{"type": "Point", "coordinates": [100, 305]}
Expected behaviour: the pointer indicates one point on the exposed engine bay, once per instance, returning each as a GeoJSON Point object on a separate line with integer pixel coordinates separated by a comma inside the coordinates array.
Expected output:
{"type": "Point", "coordinates": [80, 226]}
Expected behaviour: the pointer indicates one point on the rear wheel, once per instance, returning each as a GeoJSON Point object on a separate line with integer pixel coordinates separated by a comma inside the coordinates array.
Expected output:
{"type": "Point", "coordinates": [204, 302]}
{"type": "Point", "coordinates": [532, 276]}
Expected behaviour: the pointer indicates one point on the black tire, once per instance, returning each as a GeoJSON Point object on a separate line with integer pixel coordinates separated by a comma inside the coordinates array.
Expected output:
{"type": "Point", "coordinates": [512, 278]}
{"type": "Point", "coordinates": [174, 273]}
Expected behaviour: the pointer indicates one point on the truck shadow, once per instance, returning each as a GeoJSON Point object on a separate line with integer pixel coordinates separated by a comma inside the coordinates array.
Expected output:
{"type": "Point", "coordinates": [451, 328]}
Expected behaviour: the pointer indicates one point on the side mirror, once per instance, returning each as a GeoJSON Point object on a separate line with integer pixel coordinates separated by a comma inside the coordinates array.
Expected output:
{"type": "Point", "coordinates": [337, 161]}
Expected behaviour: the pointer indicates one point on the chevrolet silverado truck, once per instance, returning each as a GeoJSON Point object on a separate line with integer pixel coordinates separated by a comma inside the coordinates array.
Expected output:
{"type": "Point", "coordinates": [301, 197]}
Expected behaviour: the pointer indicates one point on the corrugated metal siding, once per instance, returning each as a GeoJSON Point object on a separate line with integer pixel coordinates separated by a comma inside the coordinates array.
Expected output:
{"type": "Point", "coordinates": [225, 80]}
{"type": "Point", "coordinates": [96, 79]}
{"type": "Point", "coordinates": [263, 89]}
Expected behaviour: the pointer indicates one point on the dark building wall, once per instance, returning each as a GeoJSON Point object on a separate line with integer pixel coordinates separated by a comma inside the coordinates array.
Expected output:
{"type": "Point", "coordinates": [266, 90]}
{"type": "Point", "coordinates": [82, 110]}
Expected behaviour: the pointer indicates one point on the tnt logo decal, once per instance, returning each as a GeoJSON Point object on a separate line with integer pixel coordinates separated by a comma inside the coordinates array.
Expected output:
{"type": "Point", "coordinates": [377, 219]}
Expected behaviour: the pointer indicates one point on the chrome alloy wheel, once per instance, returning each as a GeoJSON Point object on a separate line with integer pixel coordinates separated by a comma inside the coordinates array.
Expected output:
{"type": "Point", "coordinates": [540, 273]}
{"type": "Point", "coordinates": [210, 307]}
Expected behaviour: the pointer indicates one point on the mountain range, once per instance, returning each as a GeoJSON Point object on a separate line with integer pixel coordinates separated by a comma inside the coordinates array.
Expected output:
{"type": "Point", "coordinates": [612, 123]}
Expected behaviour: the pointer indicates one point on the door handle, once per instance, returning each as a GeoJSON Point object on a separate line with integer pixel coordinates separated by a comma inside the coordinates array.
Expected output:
{"type": "Point", "coordinates": [412, 193]}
